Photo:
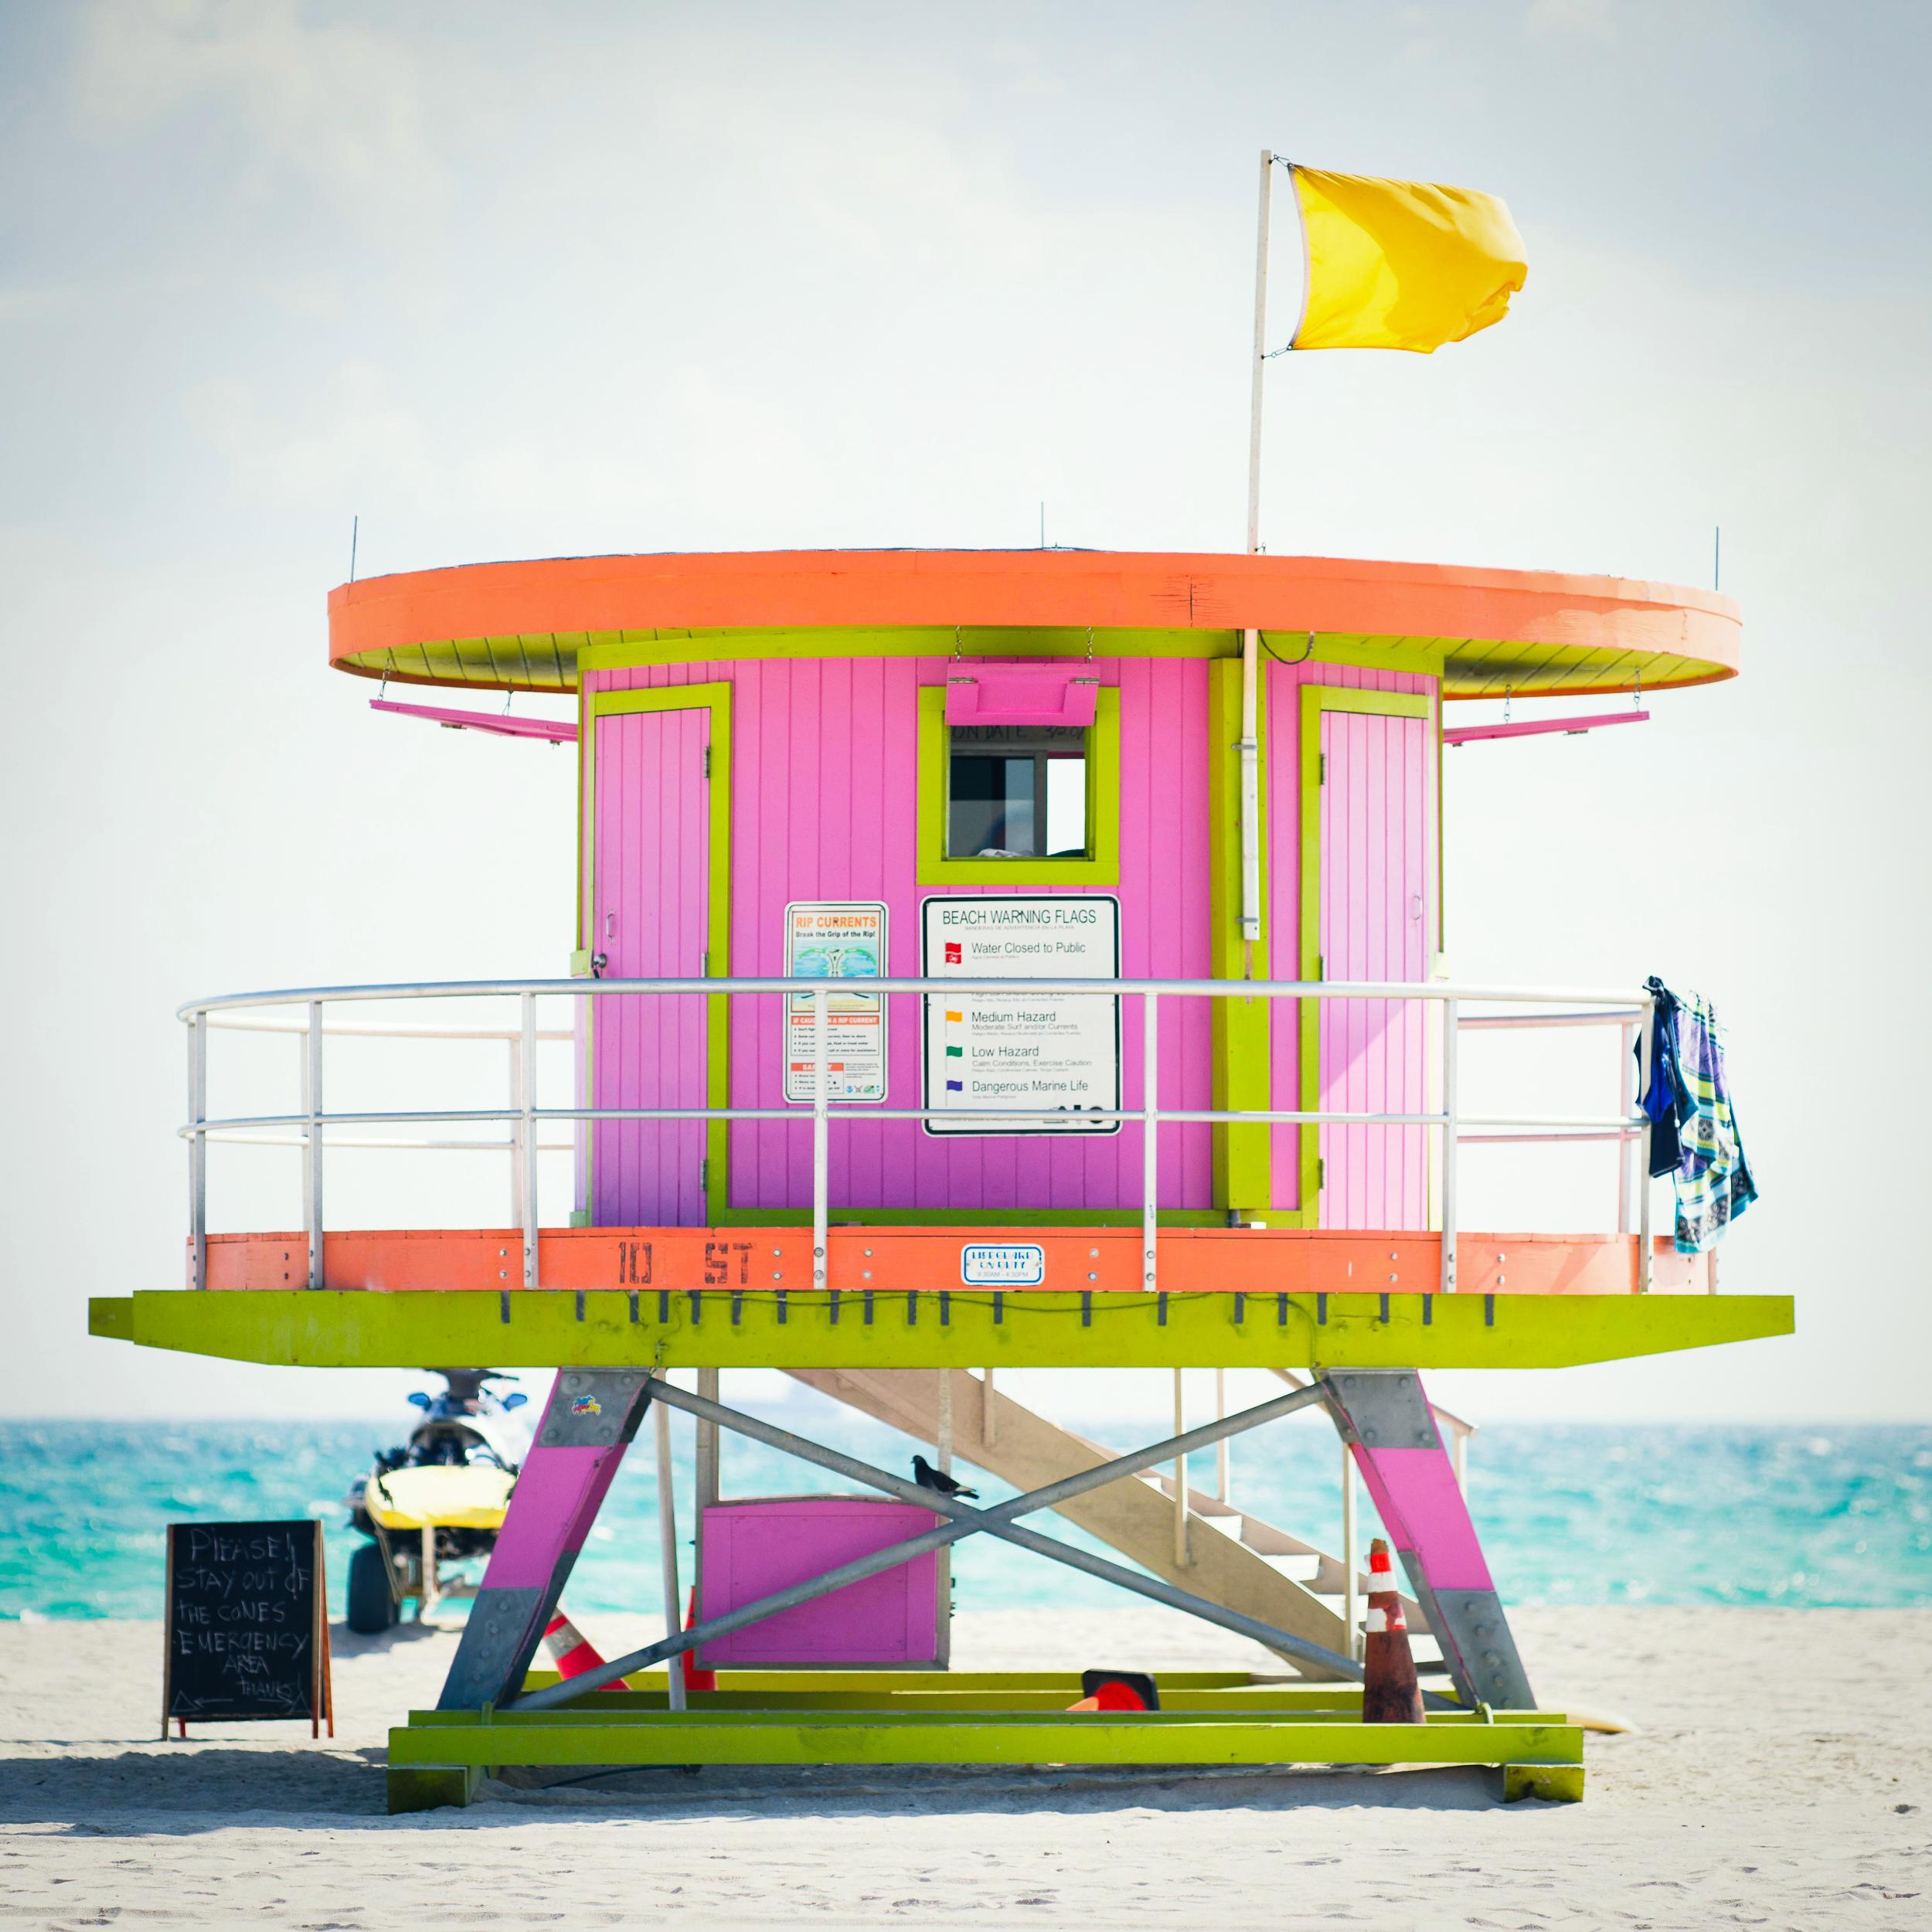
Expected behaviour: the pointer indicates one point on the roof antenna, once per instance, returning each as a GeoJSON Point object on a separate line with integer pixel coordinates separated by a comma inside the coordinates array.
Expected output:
{"type": "Point", "coordinates": [354, 529]}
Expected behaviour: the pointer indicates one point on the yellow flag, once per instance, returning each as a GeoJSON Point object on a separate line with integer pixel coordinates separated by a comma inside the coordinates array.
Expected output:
{"type": "Point", "coordinates": [1402, 264]}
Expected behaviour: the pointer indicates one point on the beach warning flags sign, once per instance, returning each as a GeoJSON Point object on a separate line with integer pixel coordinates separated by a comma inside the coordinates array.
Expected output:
{"type": "Point", "coordinates": [1401, 264]}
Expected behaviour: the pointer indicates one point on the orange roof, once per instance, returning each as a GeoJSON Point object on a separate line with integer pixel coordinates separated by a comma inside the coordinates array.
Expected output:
{"type": "Point", "coordinates": [526, 625]}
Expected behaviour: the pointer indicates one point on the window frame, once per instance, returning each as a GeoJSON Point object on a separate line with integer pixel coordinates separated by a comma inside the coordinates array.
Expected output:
{"type": "Point", "coordinates": [1101, 865]}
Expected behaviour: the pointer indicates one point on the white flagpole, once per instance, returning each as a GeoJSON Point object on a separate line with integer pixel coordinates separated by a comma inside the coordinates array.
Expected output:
{"type": "Point", "coordinates": [1250, 747]}
{"type": "Point", "coordinates": [1260, 350]}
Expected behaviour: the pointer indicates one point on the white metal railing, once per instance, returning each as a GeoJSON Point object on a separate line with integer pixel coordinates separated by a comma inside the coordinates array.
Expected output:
{"type": "Point", "coordinates": [308, 1128]}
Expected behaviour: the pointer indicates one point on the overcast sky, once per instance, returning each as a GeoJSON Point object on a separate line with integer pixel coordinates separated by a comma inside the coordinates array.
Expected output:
{"type": "Point", "coordinates": [507, 281]}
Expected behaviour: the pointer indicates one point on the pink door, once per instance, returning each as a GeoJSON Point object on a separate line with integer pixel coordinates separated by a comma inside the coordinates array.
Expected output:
{"type": "Point", "coordinates": [650, 902]}
{"type": "Point", "coordinates": [1377, 913]}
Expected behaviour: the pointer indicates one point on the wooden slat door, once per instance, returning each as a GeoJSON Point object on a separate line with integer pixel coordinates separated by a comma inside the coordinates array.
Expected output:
{"type": "Point", "coordinates": [1375, 913]}
{"type": "Point", "coordinates": [651, 904]}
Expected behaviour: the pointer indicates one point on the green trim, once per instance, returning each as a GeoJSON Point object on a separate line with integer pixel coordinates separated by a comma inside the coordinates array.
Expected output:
{"type": "Point", "coordinates": [355, 1328]}
{"type": "Point", "coordinates": [1241, 1044]}
{"type": "Point", "coordinates": [1102, 865]}
{"type": "Point", "coordinates": [447, 1739]}
{"type": "Point", "coordinates": [673, 697]}
{"type": "Point", "coordinates": [631, 651]}
{"type": "Point", "coordinates": [767, 1217]}
{"type": "Point", "coordinates": [715, 698]}
{"type": "Point", "coordinates": [1315, 699]}
{"type": "Point", "coordinates": [605, 651]}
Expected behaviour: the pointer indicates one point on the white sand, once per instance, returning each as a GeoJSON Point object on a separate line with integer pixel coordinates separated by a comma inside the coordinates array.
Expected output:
{"type": "Point", "coordinates": [1782, 1777]}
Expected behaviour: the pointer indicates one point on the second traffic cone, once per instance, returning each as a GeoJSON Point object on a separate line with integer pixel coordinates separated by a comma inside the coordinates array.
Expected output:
{"type": "Point", "coordinates": [1390, 1693]}
{"type": "Point", "coordinates": [1116, 1690]}
{"type": "Point", "coordinates": [572, 1651]}
{"type": "Point", "coordinates": [694, 1678]}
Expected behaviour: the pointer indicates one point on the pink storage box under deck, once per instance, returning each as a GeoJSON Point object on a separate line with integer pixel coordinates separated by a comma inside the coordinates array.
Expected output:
{"type": "Point", "coordinates": [753, 1547]}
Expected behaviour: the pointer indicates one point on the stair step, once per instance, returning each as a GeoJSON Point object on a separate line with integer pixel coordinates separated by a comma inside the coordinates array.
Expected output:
{"type": "Point", "coordinates": [1199, 1502]}
{"type": "Point", "coordinates": [1302, 1568]}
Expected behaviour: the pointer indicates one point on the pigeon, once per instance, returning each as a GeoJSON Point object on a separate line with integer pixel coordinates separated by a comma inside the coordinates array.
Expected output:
{"type": "Point", "coordinates": [928, 1478]}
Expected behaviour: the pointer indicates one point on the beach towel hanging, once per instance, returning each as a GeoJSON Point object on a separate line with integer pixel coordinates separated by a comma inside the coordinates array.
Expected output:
{"type": "Point", "coordinates": [1694, 1137]}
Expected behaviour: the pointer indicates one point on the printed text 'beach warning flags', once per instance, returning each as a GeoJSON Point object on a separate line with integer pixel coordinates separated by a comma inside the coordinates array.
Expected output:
{"type": "Point", "coordinates": [1401, 264]}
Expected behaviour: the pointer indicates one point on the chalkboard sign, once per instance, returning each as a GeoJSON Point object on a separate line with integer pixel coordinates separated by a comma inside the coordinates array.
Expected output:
{"type": "Point", "coordinates": [247, 1624]}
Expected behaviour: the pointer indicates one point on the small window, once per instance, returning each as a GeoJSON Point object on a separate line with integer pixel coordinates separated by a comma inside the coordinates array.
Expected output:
{"type": "Point", "coordinates": [1024, 801]}
{"type": "Point", "coordinates": [1016, 792]}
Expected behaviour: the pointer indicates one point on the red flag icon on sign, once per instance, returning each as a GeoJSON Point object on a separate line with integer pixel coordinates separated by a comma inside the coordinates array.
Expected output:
{"type": "Point", "coordinates": [955, 952]}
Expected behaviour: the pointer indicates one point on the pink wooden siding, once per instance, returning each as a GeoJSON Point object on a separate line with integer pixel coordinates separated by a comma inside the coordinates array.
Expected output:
{"type": "Point", "coordinates": [648, 912]}
{"type": "Point", "coordinates": [1374, 906]}
{"type": "Point", "coordinates": [1407, 839]}
{"type": "Point", "coordinates": [824, 804]}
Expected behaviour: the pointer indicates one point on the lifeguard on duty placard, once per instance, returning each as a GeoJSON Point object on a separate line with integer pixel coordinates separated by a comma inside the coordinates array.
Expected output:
{"type": "Point", "coordinates": [984, 1053]}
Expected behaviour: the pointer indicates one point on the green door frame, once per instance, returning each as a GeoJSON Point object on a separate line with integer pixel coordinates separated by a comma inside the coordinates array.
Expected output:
{"type": "Point", "coordinates": [716, 699]}
{"type": "Point", "coordinates": [1315, 699]}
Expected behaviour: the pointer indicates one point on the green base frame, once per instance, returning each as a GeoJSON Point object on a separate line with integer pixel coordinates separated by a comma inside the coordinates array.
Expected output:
{"type": "Point", "coordinates": [799, 1718]}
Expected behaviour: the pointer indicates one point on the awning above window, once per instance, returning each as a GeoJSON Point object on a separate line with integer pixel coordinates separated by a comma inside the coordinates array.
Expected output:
{"type": "Point", "coordinates": [1021, 694]}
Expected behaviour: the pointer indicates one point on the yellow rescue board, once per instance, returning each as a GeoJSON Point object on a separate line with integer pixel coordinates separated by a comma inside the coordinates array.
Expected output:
{"type": "Point", "coordinates": [439, 1497]}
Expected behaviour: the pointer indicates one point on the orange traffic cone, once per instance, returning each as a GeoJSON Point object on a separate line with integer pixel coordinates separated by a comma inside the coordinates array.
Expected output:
{"type": "Point", "coordinates": [1390, 1694]}
{"type": "Point", "coordinates": [694, 1678]}
{"type": "Point", "coordinates": [1116, 1690]}
{"type": "Point", "coordinates": [572, 1651]}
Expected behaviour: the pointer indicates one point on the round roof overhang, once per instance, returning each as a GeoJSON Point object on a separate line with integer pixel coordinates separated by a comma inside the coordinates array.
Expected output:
{"type": "Point", "coordinates": [531, 626]}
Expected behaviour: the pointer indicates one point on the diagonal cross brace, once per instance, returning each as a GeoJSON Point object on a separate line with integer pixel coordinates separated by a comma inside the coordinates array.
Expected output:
{"type": "Point", "coordinates": [997, 1521]}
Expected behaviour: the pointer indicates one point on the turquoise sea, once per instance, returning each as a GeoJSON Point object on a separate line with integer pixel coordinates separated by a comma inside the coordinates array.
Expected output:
{"type": "Point", "coordinates": [1595, 1514]}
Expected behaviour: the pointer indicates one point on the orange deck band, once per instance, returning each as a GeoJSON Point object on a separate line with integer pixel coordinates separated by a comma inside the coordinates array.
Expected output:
{"type": "Point", "coordinates": [899, 1261]}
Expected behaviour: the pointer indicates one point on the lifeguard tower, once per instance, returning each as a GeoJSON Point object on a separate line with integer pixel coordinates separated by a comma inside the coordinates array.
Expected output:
{"type": "Point", "coordinates": [986, 961]}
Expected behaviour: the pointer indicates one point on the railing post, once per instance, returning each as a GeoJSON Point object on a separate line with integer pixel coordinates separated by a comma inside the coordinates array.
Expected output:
{"type": "Point", "coordinates": [1452, 1020]}
{"type": "Point", "coordinates": [517, 1136]}
{"type": "Point", "coordinates": [1626, 1041]}
{"type": "Point", "coordinates": [1223, 1450]}
{"type": "Point", "coordinates": [667, 1550]}
{"type": "Point", "coordinates": [1182, 1556]}
{"type": "Point", "coordinates": [526, 1137]}
{"type": "Point", "coordinates": [1646, 1033]}
{"type": "Point", "coordinates": [1351, 1557]}
{"type": "Point", "coordinates": [821, 1152]}
{"type": "Point", "coordinates": [197, 1149]}
{"type": "Point", "coordinates": [1150, 1141]}
{"type": "Point", "coordinates": [312, 1106]}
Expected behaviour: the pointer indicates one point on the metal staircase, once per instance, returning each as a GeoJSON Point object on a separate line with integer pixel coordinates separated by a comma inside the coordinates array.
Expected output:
{"type": "Point", "coordinates": [1234, 1557]}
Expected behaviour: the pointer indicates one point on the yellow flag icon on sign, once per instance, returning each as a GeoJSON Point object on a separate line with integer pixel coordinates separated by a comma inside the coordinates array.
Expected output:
{"type": "Point", "coordinates": [1402, 264]}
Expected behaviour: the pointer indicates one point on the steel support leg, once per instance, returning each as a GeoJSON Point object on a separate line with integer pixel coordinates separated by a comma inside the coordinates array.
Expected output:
{"type": "Point", "coordinates": [587, 1423]}
{"type": "Point", "coordinates": [1385, 1419]}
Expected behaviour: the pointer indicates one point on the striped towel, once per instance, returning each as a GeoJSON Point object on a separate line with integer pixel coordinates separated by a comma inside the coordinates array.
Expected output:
{"type": "Point", "coordinates": [1714, 1183]}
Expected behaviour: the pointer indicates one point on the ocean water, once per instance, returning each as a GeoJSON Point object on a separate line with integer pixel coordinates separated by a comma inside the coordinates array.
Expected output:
{"type": "Point", "coordinates": [1582, 1514]}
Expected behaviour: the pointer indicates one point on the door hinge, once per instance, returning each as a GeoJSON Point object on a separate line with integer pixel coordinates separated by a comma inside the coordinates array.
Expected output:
{"type": "Point", "coordinates": [707, 761]}
{"type": "Point", "coordinates": [1320, 967]}
{"type": "Point", "coordinates": [1321, 767]}
{"type": "Point", "coordinates": [1321, 1174]}
{"type": "Point", "coordinates": [704, 1177]}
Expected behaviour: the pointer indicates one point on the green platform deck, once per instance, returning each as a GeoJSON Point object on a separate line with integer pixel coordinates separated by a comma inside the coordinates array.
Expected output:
{"type": "Point", "coordinates": [806, 1328]}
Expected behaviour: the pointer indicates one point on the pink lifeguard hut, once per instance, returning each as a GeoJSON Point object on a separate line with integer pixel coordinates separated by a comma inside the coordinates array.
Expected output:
{"type": "Point", "coordinates": [987, 960]}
